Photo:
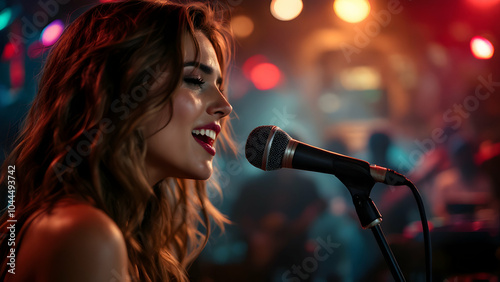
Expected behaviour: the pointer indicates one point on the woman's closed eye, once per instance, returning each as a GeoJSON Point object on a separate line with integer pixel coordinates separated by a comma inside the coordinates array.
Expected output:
{"type": "Point", "coordinates": [194, 81]}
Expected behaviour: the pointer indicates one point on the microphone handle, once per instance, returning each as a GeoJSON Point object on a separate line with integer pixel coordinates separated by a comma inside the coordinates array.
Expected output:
{"type": "Point", "coordinates": [299, 155]}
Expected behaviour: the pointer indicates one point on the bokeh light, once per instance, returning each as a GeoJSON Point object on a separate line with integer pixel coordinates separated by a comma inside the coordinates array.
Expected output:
{"type": "Point", "coordinates": [8, 51]}
{"type": "Point", "coordinates": [352, 11]}
{"type": "Point", "coordinates": [265, 76]}
{"type": "Point", "coordinates": [481, 47]}
{"type": "Point", "coordinates": [438, 55]}
{"type": "Point", "coordinates": [483, 4]}
{"type": "Point", "coordinates": [242, 26]}
{"type": "Point", "coordinates": [5, 16]}
{"type": "Point", "coordinates": [17, 73]}
{"type": "Point", "coordinates": [52, 32]}
{"type": "Point", "coordinates": [360, 78]}
{"type": "Point", "coordinates": [251, 62]}
{"type": "Point", "coordinates": [461, 31]}
{"type": "Point", "coordinates": [286, 10]}
{"type": "Point", "coordinates": [329, 103]}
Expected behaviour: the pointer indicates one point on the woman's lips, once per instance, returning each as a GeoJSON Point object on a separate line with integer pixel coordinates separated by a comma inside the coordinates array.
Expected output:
{"type": "Point", "coordinates": [206, 138]}
{"type": "Point", "coordinates": [207, 147]}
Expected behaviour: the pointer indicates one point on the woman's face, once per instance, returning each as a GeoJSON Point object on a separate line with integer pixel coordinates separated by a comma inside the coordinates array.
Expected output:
{"type": "Point", "coordinates": [185, 147]}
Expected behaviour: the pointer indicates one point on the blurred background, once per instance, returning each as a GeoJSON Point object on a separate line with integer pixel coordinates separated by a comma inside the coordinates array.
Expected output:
{"type": "Point", "coordinates": [409, 85]}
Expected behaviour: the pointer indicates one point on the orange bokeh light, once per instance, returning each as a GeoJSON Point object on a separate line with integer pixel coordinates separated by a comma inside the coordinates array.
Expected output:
{"type": "Point", "coordinates": [352, 11]}
{"type": "Point", "coordinates": [286, 10]}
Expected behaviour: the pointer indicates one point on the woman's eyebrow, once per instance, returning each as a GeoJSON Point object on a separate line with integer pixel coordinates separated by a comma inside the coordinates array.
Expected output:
{"type": "Point", "coordinates": [206, 69]}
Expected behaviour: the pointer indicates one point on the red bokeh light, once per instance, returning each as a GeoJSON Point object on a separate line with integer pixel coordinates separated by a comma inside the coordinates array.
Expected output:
{"type": "Point", "coordinates": [265, 76]}
{"type": "Point", "coordinates": [8, 51]}
{"type": "Point", "coordinates": [17, 73]}
{"type": "Point", "coordinates": [483, 4]}
{"type": "Point", "coordinates": [251, 62]}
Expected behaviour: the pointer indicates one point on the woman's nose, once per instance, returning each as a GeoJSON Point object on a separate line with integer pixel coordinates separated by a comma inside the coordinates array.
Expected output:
{"type": "Point", "coordinates": [219, 105]}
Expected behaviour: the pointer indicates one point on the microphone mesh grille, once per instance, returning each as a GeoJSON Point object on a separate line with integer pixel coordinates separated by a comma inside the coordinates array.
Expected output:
{"type": "Point", "coordinates": [256, 144]}
{"type": "Point", "coordinates": [278, 147]}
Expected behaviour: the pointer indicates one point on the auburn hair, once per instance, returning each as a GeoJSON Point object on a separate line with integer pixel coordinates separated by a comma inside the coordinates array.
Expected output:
{"type": "Point", "coordinates": [82, 135]}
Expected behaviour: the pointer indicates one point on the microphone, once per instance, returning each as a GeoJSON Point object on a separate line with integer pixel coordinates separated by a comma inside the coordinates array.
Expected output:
{"type": "Point", "coordinates": [270, 148]}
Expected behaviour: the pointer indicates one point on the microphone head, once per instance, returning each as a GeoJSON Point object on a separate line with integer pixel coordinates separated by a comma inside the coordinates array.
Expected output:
{"type": "Point", "coordinates": [266, 146]}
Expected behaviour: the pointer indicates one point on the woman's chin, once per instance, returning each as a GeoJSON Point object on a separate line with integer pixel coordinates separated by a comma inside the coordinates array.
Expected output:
{"type": "Point", "coordinates": [204, 176]}
{"type": "Point", "coordinates": [200, 174]}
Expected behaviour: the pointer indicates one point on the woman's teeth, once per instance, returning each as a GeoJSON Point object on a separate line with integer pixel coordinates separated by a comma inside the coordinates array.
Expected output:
{"type": "Point", "coordinates": [205, 132]}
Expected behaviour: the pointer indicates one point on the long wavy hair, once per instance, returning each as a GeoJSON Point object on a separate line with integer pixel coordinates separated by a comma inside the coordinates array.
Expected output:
{"type": "Point", "coordinates": [83, 137]}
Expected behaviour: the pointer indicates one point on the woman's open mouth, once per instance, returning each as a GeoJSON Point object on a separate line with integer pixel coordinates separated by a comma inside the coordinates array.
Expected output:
{"type": "Point", "coordinates": [206, 138]}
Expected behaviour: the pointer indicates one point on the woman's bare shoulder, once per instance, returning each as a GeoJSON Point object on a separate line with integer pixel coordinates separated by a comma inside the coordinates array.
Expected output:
{"type": "Point", "coordinates": [73, 217]}
{"type": "Point", "coordinates": [74, 242]}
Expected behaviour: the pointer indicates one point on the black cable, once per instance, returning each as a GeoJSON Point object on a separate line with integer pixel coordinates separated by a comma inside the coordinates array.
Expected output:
{"type": "Point", "coordinates": [395, 178]}
{"type": "Point", "coordinates": [425, 227]}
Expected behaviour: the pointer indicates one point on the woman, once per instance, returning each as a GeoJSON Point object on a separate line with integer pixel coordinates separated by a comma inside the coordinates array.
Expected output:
{"type": "Point", "coordinates": [110, 167]}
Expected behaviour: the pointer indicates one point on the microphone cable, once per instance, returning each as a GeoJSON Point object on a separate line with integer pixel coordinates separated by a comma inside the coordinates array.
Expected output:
{"type": "Point", "coordinates": [425, 229]}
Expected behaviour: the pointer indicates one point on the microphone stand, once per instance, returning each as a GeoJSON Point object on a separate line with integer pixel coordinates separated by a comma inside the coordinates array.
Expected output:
{"type": "Point", "coordinates": [370, 218]}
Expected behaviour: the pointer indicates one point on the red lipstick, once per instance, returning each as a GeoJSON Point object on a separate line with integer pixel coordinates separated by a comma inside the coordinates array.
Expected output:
{"type": "Point", "coordinates": [205, 136]}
